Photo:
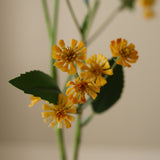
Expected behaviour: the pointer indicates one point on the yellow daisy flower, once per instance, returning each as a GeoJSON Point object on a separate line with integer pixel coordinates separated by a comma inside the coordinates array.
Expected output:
{"type": "Point", "coordinates": [34, 100]}
{"type": "Point", "coordinates": [126, 53]}
{"type": "Point", "coordinates": [147, 6]}
{"type": "Point", "coordinates": [98, 65]}
{"type": "Point", "coordinates": [67, 56]}
{"type": "Point", "coordinates": [60, 113]}
{"type": "Point", "coordinates": [79, 88]}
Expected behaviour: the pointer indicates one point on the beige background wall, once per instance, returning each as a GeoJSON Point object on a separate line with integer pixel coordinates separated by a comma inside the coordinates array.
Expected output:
{"type": "Point", "coordinates": [134, 120]}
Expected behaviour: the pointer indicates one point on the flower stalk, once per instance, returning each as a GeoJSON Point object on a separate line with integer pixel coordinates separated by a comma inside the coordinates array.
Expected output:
{"type": "Point", "coordinates": [52, 32]}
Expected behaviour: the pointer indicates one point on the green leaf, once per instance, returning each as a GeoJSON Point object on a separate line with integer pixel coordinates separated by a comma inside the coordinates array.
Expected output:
{"type": "Point", "coordinates": [38, 84]}
{"type": "Point", "coordinates": [128, 4]}
{"type": "Point", "coordinates": [111, 92]}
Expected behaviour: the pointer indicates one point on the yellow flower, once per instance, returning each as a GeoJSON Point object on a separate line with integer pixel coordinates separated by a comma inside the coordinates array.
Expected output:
{"type": "Point", "coordinates": [147, 6]}
{"type": "Point", "coordinates": [99, 65]}
{"type": "Point", "coordinates": [126, 53]}
{"type": "Point", "coordinates": [67, 56]}
{"type": "Point", "coordinates": [34, 100]}
{"type": "Point", "coordinates": [60, 113]}
{"type": "Point", "coordinates": [79, 88]}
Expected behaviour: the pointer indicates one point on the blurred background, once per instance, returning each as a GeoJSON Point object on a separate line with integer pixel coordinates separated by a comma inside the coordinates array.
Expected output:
{"type": "Point", "coordinates": [129, 129]}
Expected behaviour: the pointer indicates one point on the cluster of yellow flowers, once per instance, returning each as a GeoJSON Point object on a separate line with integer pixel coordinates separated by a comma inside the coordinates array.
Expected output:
{"type": "Point", "coordinates": [147, 6]}
{"type": "Point", "coordinates": [88, 82]}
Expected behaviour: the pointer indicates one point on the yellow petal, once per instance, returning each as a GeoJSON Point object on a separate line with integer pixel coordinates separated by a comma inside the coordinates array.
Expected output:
{"type": "Point", "coordinates": [72, 69]}
{"type": "Point", "coordinates": [52, 124]}
{"type": "Point", "coordinates": [109, 72]}
{"type": "Point", "coordinates": [55, 48]}
{"type": "Point", "coordinates": [80, 45]}
{"type": "Point", "coordinates": [59, 64]}
{"type": "Point", "coordinates": [60, 98]}
{"type": "Point", "coordinates": [67, 123]}
{"type": "Point", "coordinates": [47, 114]}
{"type": "Point", "coordinates": [69, 90]}
{"type": "Point", "coordinates": [82, 57]}
{"type": "Point", "coordinates": [47, 107]}
{"type": "Point", "coordinates": [62, 44]}
{"type": "Point", "coordinates": [73, 43]}
{"type": "Point", "coordinates": [34, 100]}
{"type": "Point", "coordinates": [72, 110]}
{"type": "Point", "coordinates": [79, 64]}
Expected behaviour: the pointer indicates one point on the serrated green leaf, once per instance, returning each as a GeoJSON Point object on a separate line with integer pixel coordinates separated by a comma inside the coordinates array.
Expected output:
{"type": "Point", "coordinates": [128, 4]}
{"type": "Point", "coordinates": [111, 92]}
{"type": "Point", "coordinates": [38, 84]}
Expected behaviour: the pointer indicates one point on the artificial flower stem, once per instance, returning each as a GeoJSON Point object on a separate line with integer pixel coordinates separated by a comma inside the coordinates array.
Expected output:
{"type": "Point", "coordinates": [47, 19]}
{"type": "Point", "coordinates": [68, 79]}
{"type": "Point", "coordinates": [104, 25]}
{"type": "Point", "coordinates": [87, 120]}
{"type": "Point", "coordinates": [52, 36]}
{"type": "Point", "coordinates": [89, 100]}
{"type": "Point", "coordinates": [59, 133]}
{"type": "Point", "coordinates": [73, 16]}
{"type": "Point", "coordinates": [78, 134]}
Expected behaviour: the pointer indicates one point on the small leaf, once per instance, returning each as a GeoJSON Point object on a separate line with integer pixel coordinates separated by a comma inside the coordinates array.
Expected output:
{"type": "Point", "coordinates": [39, 84]}
{"type": "Point", "coordinates": [128, 4]}
{"type": "Point", "coordinates": [111, 92]}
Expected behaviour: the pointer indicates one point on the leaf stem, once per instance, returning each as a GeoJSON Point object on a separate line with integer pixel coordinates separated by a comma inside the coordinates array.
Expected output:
{"type": "Point", "coordinates": [104, 25]}
{"type": "Point", "coordinates": [74, 17]}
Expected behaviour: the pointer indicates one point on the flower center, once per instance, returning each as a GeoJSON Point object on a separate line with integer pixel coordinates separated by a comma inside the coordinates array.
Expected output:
{"type": "Point", "coordinates": [96, 69]}
{"type": "Point", "coordinates": [60, 113]}
{"type": "Point", "coordinates": [69, 54]}
{"type": "Point", "coordinates": [125, 52]}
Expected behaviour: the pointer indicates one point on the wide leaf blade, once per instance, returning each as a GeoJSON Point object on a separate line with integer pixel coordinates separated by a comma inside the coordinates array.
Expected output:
{"type": "Point", "coordinates": [111, 92]}
{"type": "Point", "coordinates": [38, 84]}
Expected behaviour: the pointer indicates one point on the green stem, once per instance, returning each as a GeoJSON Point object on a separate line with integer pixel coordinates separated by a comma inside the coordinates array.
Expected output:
{"type": "Point", "coordinates": [87, 120]}
{"type": "Point", "coordinates": [47, 19]}
{"type": "Point", "coordinates": [104, 25]}
{"type": "Point", "coordinates": [59, 133]}
{"type": "Point", "coordinates": [77, 135]}
{"type": "Point", "coordinates": [68, 79]}
{"type": "Point", "coordinates": [52, 32]}
{"type": "Point", "coordinates": [74, 17]}
{"type": "Point", "coordinates": [54, 37]}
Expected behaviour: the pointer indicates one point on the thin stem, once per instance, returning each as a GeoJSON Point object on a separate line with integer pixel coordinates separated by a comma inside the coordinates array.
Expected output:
{"type": "Point", "coordinates": [87, 120]}
{"type": "Point", "coordinates": [52, 32]}
{"type": "Point", "coordinates": [77, 135]}
{"type": "Point", "coordinates": [68, 79]}
{"type": "Point", "coordinates": [89, 100]}
{"type": "Point", "coordinates": [104, 25]}
{"type": "Point", "coordinates": [73, 16]}
{"type": "Point", "coordinates": [59, 133]}
{"type": "Point", "coordinates": [47, 19]}
{"type": "Point", "coordinates": [54, 37]}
